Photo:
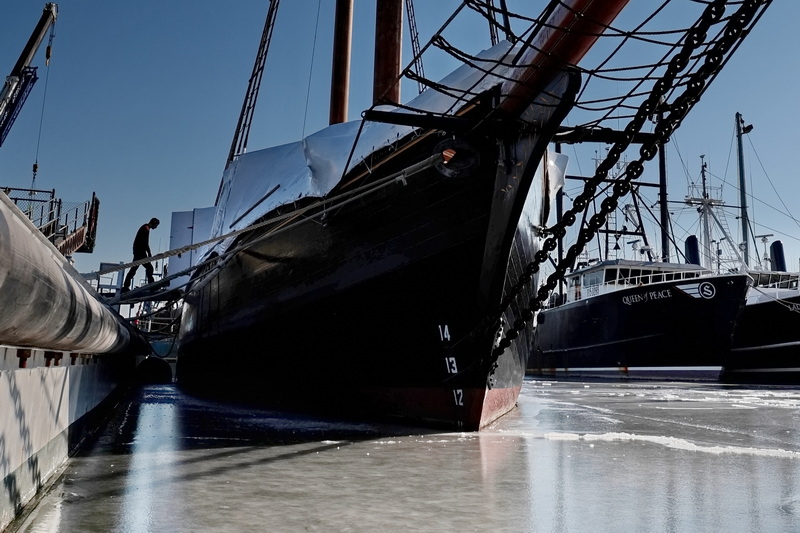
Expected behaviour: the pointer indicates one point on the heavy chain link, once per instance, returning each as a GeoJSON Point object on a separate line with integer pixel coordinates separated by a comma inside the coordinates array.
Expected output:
{"type": "Point", "coordinates": [714, 59]}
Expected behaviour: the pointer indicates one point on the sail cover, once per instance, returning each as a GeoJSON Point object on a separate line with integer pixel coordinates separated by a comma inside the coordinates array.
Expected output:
{"type": "Point", "coordinates": [256, 183]}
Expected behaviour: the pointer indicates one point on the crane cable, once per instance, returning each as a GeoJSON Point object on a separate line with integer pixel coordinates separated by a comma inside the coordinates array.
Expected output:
{"type": "Point", "coordinates": [44, 99]}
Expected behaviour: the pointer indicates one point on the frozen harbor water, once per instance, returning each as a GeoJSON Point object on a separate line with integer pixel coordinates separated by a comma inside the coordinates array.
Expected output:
{"type": "Point", "coordinates": [575, 456]}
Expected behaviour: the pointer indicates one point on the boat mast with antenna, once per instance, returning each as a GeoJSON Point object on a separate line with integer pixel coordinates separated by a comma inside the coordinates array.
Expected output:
{"type": "Point", "coordinates": [741, 130]}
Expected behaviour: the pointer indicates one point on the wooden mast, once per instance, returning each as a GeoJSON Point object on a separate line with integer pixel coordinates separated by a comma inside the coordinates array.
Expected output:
{"type": "Point", "coordinates": [388, 49]}
{"type": "Point", "coordinates": [340, 75]}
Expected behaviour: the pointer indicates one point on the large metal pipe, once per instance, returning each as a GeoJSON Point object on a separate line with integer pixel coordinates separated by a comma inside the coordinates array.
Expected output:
{"type": "Point", "coordinates": [340, 75]}
{"type": "Point", "coordinates": [388, 51]}
{"type": "Point", "coordinates": [45, 303]}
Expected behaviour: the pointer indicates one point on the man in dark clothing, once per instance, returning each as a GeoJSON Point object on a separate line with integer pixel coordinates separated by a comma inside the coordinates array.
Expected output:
{"type": "Point", "coordinates": [141, 250]}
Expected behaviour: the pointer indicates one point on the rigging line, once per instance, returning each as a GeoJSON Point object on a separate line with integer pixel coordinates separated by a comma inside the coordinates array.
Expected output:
{"type": "Point", "coordinates": [677, 148]}
{"type": "Point", "coordinates": [655, 221]}
{"type": "Point", "coordinates": [311, 67]}
{"type": "Point", "coordinates": [761, 164]}
{"type": "Point", "coordinates": [356, 194]}
{"type": "Point", "coordinates": [351, 197]}
{"type": "Point", "coordinates": [490, 12]}
{"type": "Point", "coordinates": [672, 47]}
{"type": "Point", "coordinates": [475, 62]}
{"type": "Point", "coordinates": [778, 232]}
{"type": "Point", "coordinates": [436, 35]}
{"type": "Point", "coordinates": [492, 23]}
{"type": "Point", "coordinates": [757, 200]}
{"type": "Point", "coordinates": [346, 198]}
{"type": "Point", "coordinates": [628, 35]}
{"type": "Point", "coordinates": [414, 35]}
{"type": "Point", "coordinates": [731, 145]}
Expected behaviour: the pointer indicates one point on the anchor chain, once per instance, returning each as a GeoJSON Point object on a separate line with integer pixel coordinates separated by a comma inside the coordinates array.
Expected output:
{"type": "Point", "coordinates": [714, 59]}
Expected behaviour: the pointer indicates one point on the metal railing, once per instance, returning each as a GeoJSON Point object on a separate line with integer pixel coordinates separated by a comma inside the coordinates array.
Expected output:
{"type": "Point", "coordinates": [70, 226]}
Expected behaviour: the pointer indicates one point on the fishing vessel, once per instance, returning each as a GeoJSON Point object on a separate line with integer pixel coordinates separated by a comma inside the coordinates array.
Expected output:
{"type": "Point", "coordinates": [640, 319]}
{"type": "Point", "coordinates": [766, 343]}
{"type": "Point", "coordinates": [383, 266]}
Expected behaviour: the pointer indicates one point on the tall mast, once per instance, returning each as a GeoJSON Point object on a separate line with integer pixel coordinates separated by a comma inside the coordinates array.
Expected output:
{"type": "Point", "coordinates": [340, 75]}
{"type": "Point", "coordinates": [741, 129]}
{"type": "Point", "coordinates": [709, 264]}
{"type": "Point", "coordinates": [662, 187]}
{"type": "Point", "coordinates": [388, 49]}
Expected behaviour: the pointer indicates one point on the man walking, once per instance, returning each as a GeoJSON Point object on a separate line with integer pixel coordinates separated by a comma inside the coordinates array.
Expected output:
{"type": "Point", "coordinates": [141, 250]}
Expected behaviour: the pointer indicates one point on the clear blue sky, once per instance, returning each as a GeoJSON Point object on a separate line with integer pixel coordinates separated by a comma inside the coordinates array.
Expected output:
{"type": "Point", "coordinates": [142, 101]}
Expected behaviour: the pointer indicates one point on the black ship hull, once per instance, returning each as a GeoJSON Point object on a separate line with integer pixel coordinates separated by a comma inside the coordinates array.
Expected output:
{"type": "Point", "coordinates": [380, 306]}
{"type": "Point", "coordinates": [660, 331]}
{"type": "Point", "coordinates": [766, 343]}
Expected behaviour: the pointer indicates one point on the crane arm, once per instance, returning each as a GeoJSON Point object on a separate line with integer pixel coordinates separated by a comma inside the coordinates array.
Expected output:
{"type": "Point", "coordinates": [19, 83]}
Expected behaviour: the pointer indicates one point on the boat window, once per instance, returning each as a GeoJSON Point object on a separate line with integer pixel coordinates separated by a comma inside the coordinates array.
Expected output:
{"type": "Point", "coordinates": [611, 275]}
{"type": "Point", "coordinates": [593, 278]}
{"type": "Point", "coordinates": [624, 274]}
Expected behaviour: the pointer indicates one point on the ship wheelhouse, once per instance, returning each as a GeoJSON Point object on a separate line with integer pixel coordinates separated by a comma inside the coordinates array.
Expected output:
{"type": "Point", "coordinates": [609, 276]}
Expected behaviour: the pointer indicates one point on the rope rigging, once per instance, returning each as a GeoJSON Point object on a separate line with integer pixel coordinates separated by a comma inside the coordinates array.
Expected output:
{"type": "Point", "coordinates": [694, 80]}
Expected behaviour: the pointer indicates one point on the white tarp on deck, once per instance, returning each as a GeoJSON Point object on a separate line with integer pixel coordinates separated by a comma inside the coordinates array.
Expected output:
{"type": "Point", "coordinates": [255, 183]}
